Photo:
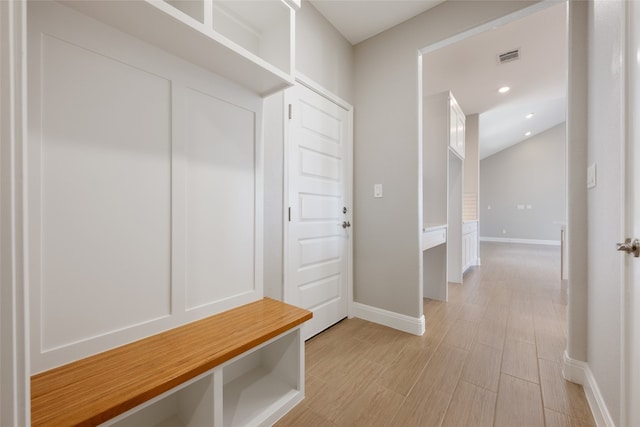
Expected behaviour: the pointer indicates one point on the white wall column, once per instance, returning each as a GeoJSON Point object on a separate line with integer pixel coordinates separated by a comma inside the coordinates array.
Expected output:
{"type": "Point", "coordinates": [14, 330]}
{"type": "Point", "coordinates": [576, 180]}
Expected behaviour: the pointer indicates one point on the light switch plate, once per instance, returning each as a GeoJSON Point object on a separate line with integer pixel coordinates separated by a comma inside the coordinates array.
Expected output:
{"type": "Point", "coordinates": [591, 176]}
{"type": "Point", "coordinates": [377, 190]}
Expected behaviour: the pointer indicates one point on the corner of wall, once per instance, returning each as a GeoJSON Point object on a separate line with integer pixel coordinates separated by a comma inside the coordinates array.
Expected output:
{"type": "Point", "coordinates": [578, 372]}
{"type": "Point", "coordinates": [401, 322]}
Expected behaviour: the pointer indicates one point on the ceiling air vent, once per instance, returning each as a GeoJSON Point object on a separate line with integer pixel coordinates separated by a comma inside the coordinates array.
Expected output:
{"type": "Point", "coordinates": [512, 55]}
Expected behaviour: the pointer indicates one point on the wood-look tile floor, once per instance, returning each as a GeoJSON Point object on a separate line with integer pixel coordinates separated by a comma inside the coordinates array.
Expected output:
{"type": "Point", "coordinates": [491, 356]}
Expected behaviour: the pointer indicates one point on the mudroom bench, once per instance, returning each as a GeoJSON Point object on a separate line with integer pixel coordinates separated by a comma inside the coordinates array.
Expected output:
{"type": "Point", "coordinates": [241, 367]}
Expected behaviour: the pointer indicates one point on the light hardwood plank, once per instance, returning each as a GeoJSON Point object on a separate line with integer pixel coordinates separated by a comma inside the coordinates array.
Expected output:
{"type": "Point", "coordinates": [375, 406]}
{"type": "Point", "coordinates": [429, 411]}
{"type": "Point", "coordinates": [402, 374]}
{"type": "Point", "coordinates": [470, 406]}
{"type": "Point", "coordinates": [519, 403]}
{"type": "Point", "coordinates": [385, 344]}
{"type": "Point", "coordinates": [338, 357]}
{"type": "Point", "coordinates": [462, 334]}
{"type": "Point", "coordinates": [441, 373]}
{"type": "Point", "coordinates": [561, 395]}
{"type": "Point", "coordinates": [492, 332]}
{"type": "Point", "coordinates": [342, 389]}
{"type": "Point", "coordinates": [302, 415]}
{"type": "Point", "coordinates": [520, 327]}
{"type": "Point", "coordinates": [472, 312]}
{"type": "Point", "coordinates": [556, 419]}
{"type": "Point", "coordinates": [551, 347]}
{"type": "Point", "coordinates": [482, 367]}
{"type": "Point", "coordinates": [520, 360]}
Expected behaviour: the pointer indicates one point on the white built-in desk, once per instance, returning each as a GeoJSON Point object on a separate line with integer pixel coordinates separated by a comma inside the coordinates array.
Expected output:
{"type": "Point", "coordinates": [433, 235]}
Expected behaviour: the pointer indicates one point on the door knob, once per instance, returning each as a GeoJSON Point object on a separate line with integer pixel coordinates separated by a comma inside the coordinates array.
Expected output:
{"type": "Point", "coordinates": [346, 224]}
{"type": "Point", "coordinates": [630, 246]}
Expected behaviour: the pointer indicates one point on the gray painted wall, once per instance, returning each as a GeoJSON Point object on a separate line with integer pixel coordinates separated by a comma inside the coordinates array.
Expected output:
{"type": "Point", "coordinates": [529, 174]}
{"type": "Point", "coordinates": [606, 139]}
{"type": "Point", "coordinates": [323, 55]}
{"type": "Point", "coordinates": [387, 256]}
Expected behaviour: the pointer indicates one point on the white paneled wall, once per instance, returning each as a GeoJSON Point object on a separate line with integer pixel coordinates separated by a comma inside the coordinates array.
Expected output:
{"type": "Point", "coordinates": [220, 200]}
{"type": "Point", "coordinates": [144, 189]}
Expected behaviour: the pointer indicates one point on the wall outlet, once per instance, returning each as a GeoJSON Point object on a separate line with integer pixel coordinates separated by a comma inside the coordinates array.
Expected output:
{"type": "Point", "coordinates": [529, 207]}
{"type": "Point", "coordinates": [504, 231]}
{"type": "Point", "coordinates": [377, 190]}
{"type": "Point", "coordinates": [489, 207]}
{"type": "Point", "coordinates": [520, 207]}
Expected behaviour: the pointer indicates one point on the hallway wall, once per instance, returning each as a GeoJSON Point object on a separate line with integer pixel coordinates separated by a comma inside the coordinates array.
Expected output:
{"type": "Point", "coordinates": [528, 175]}
{"type": "Point", "coordinates": [605, 147]}
{"type": "Point", "coordinates": [387, 257]}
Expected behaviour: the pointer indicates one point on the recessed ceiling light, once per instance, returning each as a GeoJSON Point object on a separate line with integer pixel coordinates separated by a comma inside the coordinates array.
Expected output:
{"type": "Point", "coordinates": [504, 89]}
{"type": "Point", "coordinates": [527, 134]}
{"type": "Point", "coordinates": [528, 116]}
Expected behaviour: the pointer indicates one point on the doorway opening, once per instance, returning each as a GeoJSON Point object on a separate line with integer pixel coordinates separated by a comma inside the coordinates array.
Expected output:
{"type": "Point", "coordinates": [506, 181]}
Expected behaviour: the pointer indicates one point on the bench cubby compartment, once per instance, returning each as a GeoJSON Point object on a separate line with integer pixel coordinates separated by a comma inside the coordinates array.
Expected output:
{"type": "Point", "coordinates": [255, 388]}
{"type": "Point", "coordinates": [189, 405]}
{"type": "Point", "coordinates": [262, 385]}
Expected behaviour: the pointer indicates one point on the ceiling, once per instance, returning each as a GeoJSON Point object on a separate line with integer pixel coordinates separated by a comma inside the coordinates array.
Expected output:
{"type": "Point", "coordinates": [471, 71]}
{"type": "Point", "coordinates": [357, 20]}
{"type": "Point", "coordinates": [470, 68]}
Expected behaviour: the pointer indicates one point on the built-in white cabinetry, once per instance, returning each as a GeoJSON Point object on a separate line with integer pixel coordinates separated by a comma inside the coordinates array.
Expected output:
{"type": "Point", "coordinates": [433, 236]}
{"type": "Point", "coordinates": [469, 244]}
{"type": "Point", "coordinates": [145, 164]}
{"type": "Point", "coordinates": [145, 187]}
{"type": "Point", "coordinates": [456, 127]}
{"type": "Point", "coordinates": [443, 148]}
{"type": "Point", "coordinates": [253, 389]}
{"type": "Point", "coordinates": [250, 41]}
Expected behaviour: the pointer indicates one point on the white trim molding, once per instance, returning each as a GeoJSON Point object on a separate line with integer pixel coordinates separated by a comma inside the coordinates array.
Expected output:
{"type": "Point", "coordinates": [401, 322]}
{"type": "Point", "coordinates": [579, 372]}
{"type": "Point", "coordinates": [520, 241]}
{"type": "Point", "coordinates": [15, 404]}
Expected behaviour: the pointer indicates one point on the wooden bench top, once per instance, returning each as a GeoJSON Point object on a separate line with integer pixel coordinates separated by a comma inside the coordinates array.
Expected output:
{"type": "Point", "coordinates": [95, 389]}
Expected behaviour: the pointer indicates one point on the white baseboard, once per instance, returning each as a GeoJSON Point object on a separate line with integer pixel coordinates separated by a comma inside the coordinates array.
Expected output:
{"type": "Point", "coordinates": [523, 241]}
{"type": "Point", "coordinates": [579, 372]}
{"type": "Point", "coordinates": [412, 325]}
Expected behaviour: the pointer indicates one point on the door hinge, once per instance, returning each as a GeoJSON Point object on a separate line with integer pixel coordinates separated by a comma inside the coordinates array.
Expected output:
{"type": "Point", "coordinates": [290, 112]}
{"type": "Point", "coordinates": [289, 213]}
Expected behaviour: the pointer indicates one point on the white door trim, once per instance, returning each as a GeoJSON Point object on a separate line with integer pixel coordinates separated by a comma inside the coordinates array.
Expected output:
{"type": "Point", "coordinates": [330, 96]}
{"type": "Point", "coordinates": [629, 370]}
{"type": "Point", "coordinates": [15, 406]}
{"type": "Point", "coordinates": [310, 84]}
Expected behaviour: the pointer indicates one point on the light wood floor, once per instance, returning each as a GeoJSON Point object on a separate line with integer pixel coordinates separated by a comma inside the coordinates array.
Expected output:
{"type": "Point", "coordinates": [490, 356]}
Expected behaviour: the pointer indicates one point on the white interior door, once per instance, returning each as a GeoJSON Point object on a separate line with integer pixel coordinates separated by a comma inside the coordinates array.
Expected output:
{"type": "Point", "coordinates": [631, 296]}
{"type": "Point", "coordinates": [319, 211]}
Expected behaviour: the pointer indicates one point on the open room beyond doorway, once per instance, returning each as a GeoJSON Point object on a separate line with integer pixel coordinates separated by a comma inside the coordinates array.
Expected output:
{"type": "Point", "coordinates": [509, 79]}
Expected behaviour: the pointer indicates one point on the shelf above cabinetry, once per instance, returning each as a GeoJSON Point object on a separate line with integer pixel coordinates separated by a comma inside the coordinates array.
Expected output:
{"type": "Point", "coordinates": [248, 42]}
